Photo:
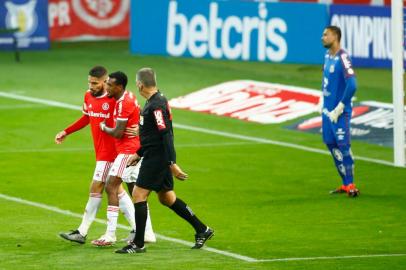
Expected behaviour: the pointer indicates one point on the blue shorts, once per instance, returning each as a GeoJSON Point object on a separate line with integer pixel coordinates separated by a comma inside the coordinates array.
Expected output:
{"type": "Point", "coordinates": [338, 133]}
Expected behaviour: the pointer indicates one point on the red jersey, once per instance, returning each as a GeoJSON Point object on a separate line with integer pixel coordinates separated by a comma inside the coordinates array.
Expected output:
{"type": "Point", "coordinates": [99, 109]}
{"type": "Point", "coordinates": [127, 109]}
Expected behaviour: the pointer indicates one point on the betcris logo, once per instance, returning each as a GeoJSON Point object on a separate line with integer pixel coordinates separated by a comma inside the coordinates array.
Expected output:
{"type": "Point", "coordinates": [199, 35]}
{"type": "Point", "coordinates": [235, 30]}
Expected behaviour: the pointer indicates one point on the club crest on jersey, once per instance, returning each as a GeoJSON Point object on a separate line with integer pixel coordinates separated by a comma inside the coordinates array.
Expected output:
{"type": "Point", "coordinates": [105, 106]}
{"type": "Point", "coordinates": [332, 69]}
{"type": "Point", "coordinates": [159, 119]}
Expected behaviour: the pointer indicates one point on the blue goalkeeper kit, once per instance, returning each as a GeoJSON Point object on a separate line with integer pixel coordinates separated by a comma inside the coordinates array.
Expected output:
{"type": "Point", "coordinates": [339, 85]}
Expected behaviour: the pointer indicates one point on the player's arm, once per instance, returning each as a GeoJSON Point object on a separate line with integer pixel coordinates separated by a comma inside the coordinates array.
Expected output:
{"type": "Point", "coordinates": [78, 125]}
{"type": "Point", "coordinates": [163, 124]}
{"type": "Point", "coordinates": [350, 88]}
{"type": "Point", "coordinates": [117, 131]}
{"type": "Point", "coordinates": [349, 91]}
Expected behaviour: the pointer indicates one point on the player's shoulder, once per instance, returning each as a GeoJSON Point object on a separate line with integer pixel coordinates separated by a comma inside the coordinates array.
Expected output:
{"type": "Point", "coordinates": [161, 98]}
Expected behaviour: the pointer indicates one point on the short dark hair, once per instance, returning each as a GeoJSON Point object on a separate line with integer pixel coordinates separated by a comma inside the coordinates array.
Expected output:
{"type": "Point", "coordinates": [98, 71]}
{"type": "Point", "coordinates": [121, 78]}
{"type": "Point", "coordinates": [147, 77]}
{"type": "Point", "coordinates": [336, 30]}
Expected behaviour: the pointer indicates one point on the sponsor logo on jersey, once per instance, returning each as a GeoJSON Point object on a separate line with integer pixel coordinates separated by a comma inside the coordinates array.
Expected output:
{"type": "Point", "coordinates": [159, 118]}
{"type": "Point", "coordinates": [99, 115]}
{"type": "Point", "coordinates": [254, 101]}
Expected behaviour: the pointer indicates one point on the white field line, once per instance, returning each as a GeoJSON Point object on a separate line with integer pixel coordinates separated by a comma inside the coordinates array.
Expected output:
{"type": "Point", "coordinates": [22, 106]}
{"type": "Point", "coordinates": [159, 236]}
{"type": "Point", "coordinates": [332, 257]}
{"type": "Point", "coordinates": [47, 150]}
{"type": "Point", "coordinates": [186, 243]}
{"type": "Point", "coordinates": [203, 130]}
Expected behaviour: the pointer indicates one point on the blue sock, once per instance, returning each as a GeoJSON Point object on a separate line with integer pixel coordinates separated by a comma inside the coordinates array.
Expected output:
{"type": "Point", "coordinates": [348, 162]}
{"type": "Point", "coordinates": [338, 160]}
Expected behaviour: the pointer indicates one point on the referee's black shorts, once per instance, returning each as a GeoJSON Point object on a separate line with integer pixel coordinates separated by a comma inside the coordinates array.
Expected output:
{"type": "Point", "coordinates": [154, 171]}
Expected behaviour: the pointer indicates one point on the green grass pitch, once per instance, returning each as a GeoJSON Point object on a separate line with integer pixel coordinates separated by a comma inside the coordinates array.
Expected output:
{"type": "Point", "coordinates": [264, 201]}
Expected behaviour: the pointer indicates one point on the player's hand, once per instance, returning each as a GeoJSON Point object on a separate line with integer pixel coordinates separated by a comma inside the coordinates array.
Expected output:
{"type": "Point", "coordinates": [60, 137]}
{"type": "Point", "coordinates": [334, 114]}
{"type": "Point", "coordinates": [177, 172]}
{"type": "Point", "coordinates": [133, 160]}
{"type": "Point", "coordinates": [132, 131]}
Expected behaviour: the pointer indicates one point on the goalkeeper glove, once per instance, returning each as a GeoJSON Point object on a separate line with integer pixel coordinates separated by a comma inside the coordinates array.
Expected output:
{"type": "Point", "coordinates": [334, 114]}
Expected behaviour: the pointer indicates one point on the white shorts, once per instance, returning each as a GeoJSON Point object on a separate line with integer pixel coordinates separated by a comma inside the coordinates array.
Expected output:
{"type": "Point", "coordinates": [130, 174]}
{"type": "Point", "coordinates": [102, 171]}
{"type": "Point", "coordinates": [120, 168]}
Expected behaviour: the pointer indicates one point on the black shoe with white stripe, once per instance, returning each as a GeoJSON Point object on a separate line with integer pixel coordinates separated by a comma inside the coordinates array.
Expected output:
{"type": "Point", "coordinates": [201, 238]}
{"type": "Point", "coordinates": [132, 248]}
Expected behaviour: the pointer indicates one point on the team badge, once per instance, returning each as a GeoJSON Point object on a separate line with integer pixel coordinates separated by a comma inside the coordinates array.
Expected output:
{"type": "Point", "coordinates": [105, 106]}
{"type": "Point", "coordinates": [332, 69]}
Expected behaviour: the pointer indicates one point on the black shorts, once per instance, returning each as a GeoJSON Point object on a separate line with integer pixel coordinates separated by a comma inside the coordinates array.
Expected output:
{"type": "Point", "coordinates": [154, 171]}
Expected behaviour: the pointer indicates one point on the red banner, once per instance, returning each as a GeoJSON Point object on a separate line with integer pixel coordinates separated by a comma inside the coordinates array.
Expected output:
{"type": "Point", "coordinates": [89, 19]}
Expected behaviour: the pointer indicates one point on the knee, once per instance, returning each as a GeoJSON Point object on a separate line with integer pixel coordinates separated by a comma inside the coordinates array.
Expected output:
{"type": "Point", "coordinates": [164, 201]}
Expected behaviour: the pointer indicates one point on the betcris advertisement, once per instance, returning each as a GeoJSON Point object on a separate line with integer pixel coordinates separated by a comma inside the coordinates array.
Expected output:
{"type": "Point", "coordinates": [235, 30]}
{"type": "Point", "coordinates": [31, 19]}
{"type": "Point", "coordinates": [366, 33]}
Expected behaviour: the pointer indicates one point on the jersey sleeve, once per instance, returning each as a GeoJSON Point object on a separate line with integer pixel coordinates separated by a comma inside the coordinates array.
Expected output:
{"type": "Point", "coordinates": [85, 106]}
{"type": "Point", "coordinates": [79, 124]}
{"type": "Point", "coordinates": [163, 117]}
{"type": "Point", "coordinates": [349, 76]}
{"type": "Point", "coordinates": [348, 70]}
{"type": "Point", "coordinates": [125, 109]}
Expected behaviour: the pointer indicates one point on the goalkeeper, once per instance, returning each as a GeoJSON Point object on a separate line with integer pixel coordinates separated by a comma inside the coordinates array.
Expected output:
{"type": "Point", "coordinates": [339, 85]}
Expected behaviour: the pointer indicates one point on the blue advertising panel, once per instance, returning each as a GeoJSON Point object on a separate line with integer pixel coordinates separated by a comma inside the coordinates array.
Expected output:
{"type": "Point", "coordinates": [30, 17]}
{"type": "Point", "coordinates": [366, 33]}
{"type": "Point", "coordinates": [240, 30]}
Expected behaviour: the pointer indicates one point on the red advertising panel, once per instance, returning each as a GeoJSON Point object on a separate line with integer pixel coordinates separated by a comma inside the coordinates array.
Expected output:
{"type": "Point", "coordinates": [88, 19]}
{"type": "Point", "coordinates": [261, 102]}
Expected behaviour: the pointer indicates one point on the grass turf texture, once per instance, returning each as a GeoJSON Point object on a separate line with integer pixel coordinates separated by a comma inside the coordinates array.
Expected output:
{"type": "Point", "coordinates": [264, 201]}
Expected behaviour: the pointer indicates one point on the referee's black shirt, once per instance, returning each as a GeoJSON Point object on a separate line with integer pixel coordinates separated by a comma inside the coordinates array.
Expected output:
{"type": "Point", "coordinates": [156, 127]}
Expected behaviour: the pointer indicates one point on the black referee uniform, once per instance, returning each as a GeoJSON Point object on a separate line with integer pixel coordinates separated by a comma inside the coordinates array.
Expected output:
{"type": "Point", "coordinates": [157, 147]}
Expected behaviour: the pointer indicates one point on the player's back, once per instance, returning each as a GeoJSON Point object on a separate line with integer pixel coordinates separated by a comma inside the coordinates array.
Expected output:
{"type": "Point", "coordinates": [127, 109]}
{"type": "Point", "coordinates": [100, 109]}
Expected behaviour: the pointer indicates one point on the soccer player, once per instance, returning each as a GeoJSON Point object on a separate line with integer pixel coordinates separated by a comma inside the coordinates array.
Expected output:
{"type": "Point", "coordinates": [339, 85]}
{"type": "Point", "coordinates": [126, 114]}
{"type": "Point", "coordinates": [97, 107]}
{"type": "Point", "coordinates": [158, 165]}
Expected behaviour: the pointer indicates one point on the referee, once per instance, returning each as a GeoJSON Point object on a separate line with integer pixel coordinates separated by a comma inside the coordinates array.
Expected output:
{"type": "Point", "coordinates": [158, 165]}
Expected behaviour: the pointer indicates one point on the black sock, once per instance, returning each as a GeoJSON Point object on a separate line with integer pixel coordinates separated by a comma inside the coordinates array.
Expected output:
{"type": "Point", "coordinates": [141, 212]}
{"type": "Point", "coordinates": [180, 208]}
